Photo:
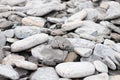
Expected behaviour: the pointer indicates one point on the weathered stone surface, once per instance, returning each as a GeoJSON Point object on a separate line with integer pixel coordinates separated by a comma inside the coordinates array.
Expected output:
{"type": "Point", "coordinates": [75, 69]}
{"type": "Point", "coordinates": [100, 66]}
{"type": "Point", "coordinates": [29, 42]}
{"type": "Point", "coordinates": [45, 73]}
{"type": "Point", "coordinates": [102, 76]}
{"type": "Point", "coordinates": [26, 31]}
{"type": "Point", "coordinates": [8, 71]}
{"type": "Point", "coordinates": [33, 21]}
{"type": "Point", "coordinates": [48, 55]}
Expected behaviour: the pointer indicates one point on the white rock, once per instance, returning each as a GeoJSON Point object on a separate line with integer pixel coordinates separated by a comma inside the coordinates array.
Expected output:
{"type": "Point", "coordinates": [64, 79]}
{"type": "Point", "coordinates": [100, 66]}
{"type": "Point", "coordinates": [102, 76]}
{"type": "Point", "coordinates": [26, 65]}
{"type": "Point", "coordinates": [116, 47]}
{"type": "Point", "coordinates": [33, 21]}
{"type": "Point", "coordinates": [109, 42]}
{"type": "Point", "coordinates": [45, 73]}
{"type": "Point", "coordinates": [75, 69]}
{"type": "Point", "coordinates": [9, 72]}
{"type": "Point", "coordinates": [84, 52]}
{"type": "Point", "coordinates": [29, 42]}
{"type": "Point", "coordinates": [115, 77]}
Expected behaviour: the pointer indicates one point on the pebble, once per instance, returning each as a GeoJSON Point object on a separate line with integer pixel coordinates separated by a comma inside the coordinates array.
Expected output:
{"type": "Point", "coordinates": [9, 33]}
{"type": "Point", "coordinates": [102, 76]}
{"type": "Point", "coordinates": [115, 77]}
{"type": "Point", "coordinates": [100, 66]}
{"type": "Point", "coordinates": [2, 39]}
{"type": "Point", "coordinates": [33, 21]}
{"type": "Point", "coordinates": [116, 21]}
{"type": "Point", "coordinates": [71, 57]}
{"type": "Point", "coordinates": [26, 31]}
{"type": "Point", "coordinates": [64, 79]}
{"type": "Point", "coordinates": [115, 36]}
{"type": "Point", "coordinates": [84, 52]}
{"type": "Point", "coordinates": [8, 71]}
{"type": "Point", "coordinates": [45, 73]}
{"type": "Point", "coordinates": [29, 42]}
{"type": "Point", "coordinates": [48, 55]}
{"type": "Point", "coordinates": [75, 69]}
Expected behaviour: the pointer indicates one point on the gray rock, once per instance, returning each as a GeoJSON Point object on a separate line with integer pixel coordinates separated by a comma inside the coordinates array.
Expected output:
{"type": "Point", "coordinates": [48, 55]}
{"type": "Point", "coordinates": [116, 47]}
{"type": "Point", "coordinates": [33, 21]}
{"type": "Point", "coordinates": [45, 73]}
{"type": "Point", "coordinates": [8, 72]}
{"type": "Point", "coordinates": [55, 20]}
{"type": "Point", "coordinates": [100, 66]}
{"type": "Point", "coordinates": [84, 52]}
{"type": "Point", "coordinates": [64, 79]}
{"type": "Point", "coordinates": [83, 43]}
{"type": "Point", "coordinates": [75, 69]}
{"type": "Point", "coordinates": [116, 21]}
{"type": "Point", "coordinates": [29, 42]}
{"type": "Point", "coordinates": [40, 8]}
{"type": "Point", "coordinates": [21, 72]}
{"type": "Point", "coordinates": [102, 76]}
{"type": "Point", "coordinates": [5, 24]}
{"type": "Point", "coordinates": [2, 39]}
{"type": "Point", "coordinates": [59, 42]}
{"type": "Point", "coordinates": [9, 33]}
{"type": "Point", "coordinates": [26, 31]}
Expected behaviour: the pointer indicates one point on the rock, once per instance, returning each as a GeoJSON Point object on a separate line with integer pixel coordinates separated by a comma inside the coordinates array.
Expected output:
{"type": "Point", "coordinates": [48, 55]}
{"type": "Point", "coordinates": [64, 79]}
{"type": "Point", "coordinates": [104, 51]}
{"type": "Point", "coordinates": [26, 65]}
{"type": "Point", "coordinates": [104, 5]}
{"type": "Point", "coordinates": [116, 47]}
{"type": "Point", "coordinates": [100, 66]}
{"type": "Point", "coordinates": [9, 33]}
{"type": "Point", "coordinates": [71, 35]}
{"type": "Point", "coordinates": [59, 42]}
{"type": "Point", "coordinates": [26, 31]}
{"type": "Point", "coordinates": [115, 36]}
{"type": "Point", "coordinates": [12, 3]}
{"type": "Point", "coordinates": [2, 40]}
{"type": "Point", "coordinates": [71, 25]}
{"type": "Point", "coordinates": [75, 69]}
{"type": "Point", "coordinates": [21, 72]}
{"type": "Point", "coordinates": [11, 59]}
{"type": "Point", "coordinates": [33, 21]}
{"type": "Point", "coordinates": [91, 58]}
{"type": "Point", "coordinates": [11, 40]}
{"type": "Point", "coordinates": [45, 73]}
{"type": "Point", "coordinates": [15, 18]}
{"type": "Point", "coordinates": [57, 32]}
{"type": "Point", "coordinates": [2, 78]}
{"type": "Point", "coordinates": [5, 24]}
{"type": "Point", "coordinates": [8, 72]}
{"type": "Point", "coordinates": [102, 76]}
{"type": "Point", "coordinates": [82, 43]}
{"type": "Point", "coordinates": [41, 8]}
{"type": "Point", "coordinates": [115, 77]}
{"type": "Point", "coordinates": [109, 42]}
{"type": "Point", "coordinates": [29, 42]}
{"type": "Point", "coordinates": [71, 57]}
{"type": "Point", "coordinates": [77, 16]}
{"type": "Point", "coordinates": [55, 20]}
{"type": "Point", "coordinates": [84, 52]}
{"type": "Point", "coordinates": [116, 21]}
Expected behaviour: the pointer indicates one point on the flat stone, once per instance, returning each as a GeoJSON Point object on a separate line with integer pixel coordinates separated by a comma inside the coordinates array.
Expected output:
{"type": "Point", "coordinates": [33, 21]}
{"type": "Point", "coordinates": [9, 33]}
{"type": "Point", "coordinates": [48, 55]}
{"type": "Point", "coordinates": [84, 52]}
{"type": "Point", "coordinates": [102, 76]}
{"type": "Point", "coordinates": [82, 43]}
{"type": "Point", "coordinates": [26, 31]}
{"type": "Point", "coordinates": [59, 42]}
{"type": "Point", "coordinates": [55, 20]}
{"type": "Point", "coordinates": [100, 66]}
{"type": "Point", "coordinates": [75, 69]}
{"type": "Point", "coordinates": [71, 57]}
{"type": "Point", "coordinates": [45, 73]}
{"type": "Point", "coordinates": [29, 42]}
{"type": "Point", "coordinates": [57, 32]}
{"type": "Point", "coordinates": [8, 72]}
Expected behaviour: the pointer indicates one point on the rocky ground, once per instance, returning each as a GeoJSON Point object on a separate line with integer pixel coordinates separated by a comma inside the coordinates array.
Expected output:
{"type": "Point", "coordinates": [59, 39]}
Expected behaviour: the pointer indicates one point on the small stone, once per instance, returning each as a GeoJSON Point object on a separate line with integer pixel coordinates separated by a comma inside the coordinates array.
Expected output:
{"type": "Point", "coordinates": [115, 36]}
{"type": "Point", "coordinates": [29, 42]}
{"type": "Point", "coordinates": [21, 72]}
{"type": "Point", "coordinates": [5, 24]}
{"type": "Point", "coordinates": [71, 57]}
{"type": "Point", "coordinates": [57, 32]}
{"type": "Point", "coordinates": [116, 47]}
{"type": "Point", "coordinates": [8, 72]}
{"type": "Point", "coordinates": [102, 76]}
{"type": "Point", "coordinates": [48, 55]}
{"type": "Point", "coordinates": [104, 5]}
{"type": "Point", "coordinates": [84, 52]}
{"type": "Point", "coordinates": [2, 39]}
{"type": "Point", "coordinates": [100, 66]}
{"type": "Point", "coordinates": [64, 79]}
{"type": "Point", "coordinates": [45, 73]}
{"type": "Point", "coordinates": [26, 65]}
{"type": "Point", "coordinates": [109, 42]}
{"type": "Point", "coordinates": [59, 42]}
{"type": "Point", "coordinates": [9, 33]}
{"type": "Point", "coordinates": [26, 31]}
{"type": "Point", "coordinates": [116, 21]}
{"type": "Point", "coordinates": [55, 20]}
{"type": "Point", "coordinates": [115, 77]}
{"type": "Point", "coordinates": [75, 69]}
{"type": "Point", "coordinates": [11, 40]}
{"type": "Point", "coordinates": [33, 21]}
